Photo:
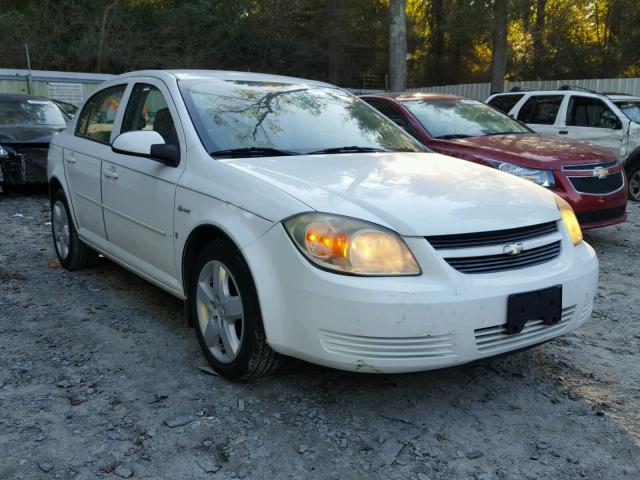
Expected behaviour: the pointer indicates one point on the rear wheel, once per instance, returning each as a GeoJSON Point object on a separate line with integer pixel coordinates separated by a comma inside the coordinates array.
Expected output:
{"type": "Point", "coordinates": [71, 252]}
{"type": "Point", "coordinates": [634, 182]}
{"type": "Point", "coordinates": [224, 306]}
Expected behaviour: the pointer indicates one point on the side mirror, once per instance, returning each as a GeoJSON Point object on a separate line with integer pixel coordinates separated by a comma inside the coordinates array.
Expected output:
{"type": "Point", "coordinates": [147, 144]}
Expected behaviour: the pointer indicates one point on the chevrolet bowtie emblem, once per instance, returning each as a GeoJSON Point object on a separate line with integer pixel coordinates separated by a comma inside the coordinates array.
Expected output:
{"type": "Point", "coordinates": [600, 172]}
{"type": "Point", "coordinates": [513, 248]}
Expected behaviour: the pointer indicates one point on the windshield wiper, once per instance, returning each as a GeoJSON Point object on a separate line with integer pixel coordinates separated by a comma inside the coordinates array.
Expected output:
{"type": "Point", "coordinates": [348, 149]}
{"type": "Point", "coordinates": [452, 136]}
{"type": "Point", "coordinates": [252, 152]}
{"type": "Point", "coordinates": [504, 133]}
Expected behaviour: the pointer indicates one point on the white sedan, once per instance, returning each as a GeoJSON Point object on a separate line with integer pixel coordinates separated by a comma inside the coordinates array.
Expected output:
{"type": "Point", "coordinates": [297, 221]}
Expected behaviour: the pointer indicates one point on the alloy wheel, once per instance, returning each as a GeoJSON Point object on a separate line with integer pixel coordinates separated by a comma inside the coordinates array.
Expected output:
{"type": "Point", "coordinates": [61, 231]}
{"type": "Point", "coordinates": [219, 310]}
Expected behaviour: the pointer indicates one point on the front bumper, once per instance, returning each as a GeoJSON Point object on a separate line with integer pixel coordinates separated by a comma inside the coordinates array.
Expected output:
{"type": "Point", "coordinates": [402, 324]}
{"type": "Point", "coordinates": [24, 165]}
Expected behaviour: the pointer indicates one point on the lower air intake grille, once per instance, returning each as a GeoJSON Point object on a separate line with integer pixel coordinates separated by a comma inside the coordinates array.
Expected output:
{"type": "Point", "coordinates": [596, 185]}
{"type": "Point", "coordinates": [496, 338]}
{"type": "Point", "coordinates": [431, 346]}
{"type": "Point", "coordinates": [499, 263]}
{"type": "Point", "coordinates": [600, 215]}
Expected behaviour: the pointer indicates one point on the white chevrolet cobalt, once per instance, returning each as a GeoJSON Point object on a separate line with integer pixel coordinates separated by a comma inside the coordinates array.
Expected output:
{"type": "Point", "coordinates": [295, 220]}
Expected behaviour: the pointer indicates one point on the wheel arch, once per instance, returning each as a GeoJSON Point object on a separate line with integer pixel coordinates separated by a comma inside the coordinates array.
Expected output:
{"type": "Point", "coordinates": [201, 236]}
{"type": "Point", "coordinates": [632, 161]}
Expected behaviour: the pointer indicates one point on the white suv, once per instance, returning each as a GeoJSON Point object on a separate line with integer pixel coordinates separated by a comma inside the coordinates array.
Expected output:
{"type": "Point", "coordinates": [295, 219]}
{"type": "Point", "coordinates": [608, 120]}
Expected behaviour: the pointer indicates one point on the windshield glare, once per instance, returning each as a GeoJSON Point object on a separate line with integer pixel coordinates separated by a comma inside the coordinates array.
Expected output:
{"type": "Point", "coordinates": [31, 112]}
{"type": "Point", "coordinates": [459, 118]}
{"type": "Point", "coordinates": [298, 118]}
{"type": "Point", "coordinates": [631, 109]}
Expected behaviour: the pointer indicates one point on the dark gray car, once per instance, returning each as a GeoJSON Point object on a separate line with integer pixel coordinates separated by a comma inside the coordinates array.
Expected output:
{"type": "Point", "coordinates": [27, 124]}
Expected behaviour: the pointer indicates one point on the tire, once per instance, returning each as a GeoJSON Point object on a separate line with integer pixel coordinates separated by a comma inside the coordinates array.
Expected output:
{"type": "Point", "coordinates": [634, 182]}
{"type": "Point", "coordinates": [72, 253]}
{"type": "Point", "coordinates": [223, 305]}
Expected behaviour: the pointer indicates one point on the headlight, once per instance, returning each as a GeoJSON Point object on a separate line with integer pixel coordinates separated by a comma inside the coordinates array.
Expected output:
{"type": "Point", "coordinates": [541, 177]}
{"type": "Point", "coordinates": [350, 246]}
{"type": "Point", "coordinates": [569, 220]}
{"type": "Point", "coordinates": [3, 152]}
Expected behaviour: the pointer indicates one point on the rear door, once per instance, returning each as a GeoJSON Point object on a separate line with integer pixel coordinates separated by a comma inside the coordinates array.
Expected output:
{"type": "Point", "coordinates": [139, 193]}
{"type": "Point", "coordinates": [591, 120]}
{"type": "Point", "coordinates": [83, 160]}
{"type": "Point", "coordinates": [540, 113]}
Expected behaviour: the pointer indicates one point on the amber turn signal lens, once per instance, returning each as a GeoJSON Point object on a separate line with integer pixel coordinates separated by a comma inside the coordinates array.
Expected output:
{"type": "Point", "coordinates": [569, 220]}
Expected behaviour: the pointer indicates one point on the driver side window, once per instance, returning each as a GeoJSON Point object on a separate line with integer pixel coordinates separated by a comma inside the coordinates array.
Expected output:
{"type": "Point", "coordinates": [590, 112]}
{"type": "Point", "coordinates": [148, 110]}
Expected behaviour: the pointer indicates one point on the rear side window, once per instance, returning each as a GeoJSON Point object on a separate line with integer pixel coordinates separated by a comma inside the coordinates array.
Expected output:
{"type": "Point", "coordinates": [590, 112]}
{"type": "Point", "coordinates": [96, 119]}
{"type": "Point", "coordinates": [505, 103]}
{"type": "Point", "coordinates": [540, 109]}
{"type": "Point", "coordinates": [148, 110]}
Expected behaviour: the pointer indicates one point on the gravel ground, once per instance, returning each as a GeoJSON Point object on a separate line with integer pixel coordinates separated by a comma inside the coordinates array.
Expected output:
{"type": "Point", "coordinates": [101, 378]}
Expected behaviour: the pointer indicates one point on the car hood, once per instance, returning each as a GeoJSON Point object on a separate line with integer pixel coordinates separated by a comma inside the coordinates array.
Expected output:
{"type": "Point", "coordinates": [415, 194]}
{"type": "Point", "coordinates": [535, 151]}
{"type": "Point", "coordinates": [27, 134]}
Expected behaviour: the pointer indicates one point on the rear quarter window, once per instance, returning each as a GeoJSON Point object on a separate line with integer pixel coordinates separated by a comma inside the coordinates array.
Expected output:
{"type": "Point", "coordinates": [505, 103]}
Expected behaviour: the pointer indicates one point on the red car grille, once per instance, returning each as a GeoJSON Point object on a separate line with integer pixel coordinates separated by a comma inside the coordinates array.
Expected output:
{"type": "Point", "coordinates": [596, 185]}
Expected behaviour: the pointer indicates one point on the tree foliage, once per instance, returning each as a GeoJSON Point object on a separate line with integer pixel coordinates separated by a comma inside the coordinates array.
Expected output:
{"type": "Point", "coordinates": [341, 41]}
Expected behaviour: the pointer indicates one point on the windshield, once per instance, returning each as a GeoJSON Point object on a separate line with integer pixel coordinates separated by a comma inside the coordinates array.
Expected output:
{"type": "Point", "coordinates": [269, 117]}
{"type": "Point", "coordinates": [631, 108]}
{"type": "Point", "coordinates": [31, 112]}
{"type": "Point", "coordinates": [459, 118]}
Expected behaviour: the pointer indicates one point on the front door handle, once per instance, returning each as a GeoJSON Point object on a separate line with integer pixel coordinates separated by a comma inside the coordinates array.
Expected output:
{"type": "Point", "coordinates": [563, 132]}
{"type": "Point", "coordinates": [110, 173]}
{"type": "Point", "coordinates": [70, 159]}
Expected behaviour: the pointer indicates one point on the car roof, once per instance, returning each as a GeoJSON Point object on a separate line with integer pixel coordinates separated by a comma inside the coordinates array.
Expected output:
{"type": "Point", "coordinates": [612, 96]}
{"type": "Point", "coordinates": [414, 96]}
{"type": "Point", "coordinates": [216, 75]}
{"type": "Point", "coordinates": [21, 97]}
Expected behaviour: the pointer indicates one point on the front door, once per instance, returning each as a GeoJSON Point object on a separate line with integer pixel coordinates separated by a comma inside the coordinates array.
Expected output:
{"type": "Point", "coordinates": [138, 193]}
{"type": "Point", "coordinates": [591, 120]}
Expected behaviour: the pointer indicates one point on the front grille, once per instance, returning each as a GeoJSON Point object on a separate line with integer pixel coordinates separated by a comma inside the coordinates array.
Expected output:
{"type": "Point", "coordinates": [497, 237]}
{"type": "Point", "coordinates": [590, 166]}
{"type": "Point", "coordinates": [598, 186]}
{"type": "Point", "coordinates": [600, 215]}
{"type": "Point", "coordinates": [430, 346]}
{"type": "Point", "coordinates": [499, 263]}
{"type": "Point", "coordinates": [496, 338]}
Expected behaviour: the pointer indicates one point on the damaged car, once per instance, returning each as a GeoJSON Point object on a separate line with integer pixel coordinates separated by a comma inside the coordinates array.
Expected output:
{"type": "Point", "coordinates": [27, 125]}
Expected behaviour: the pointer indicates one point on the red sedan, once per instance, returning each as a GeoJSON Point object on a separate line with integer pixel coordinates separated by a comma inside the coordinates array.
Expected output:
{"type": "Point", "coordinates": [587, 177]}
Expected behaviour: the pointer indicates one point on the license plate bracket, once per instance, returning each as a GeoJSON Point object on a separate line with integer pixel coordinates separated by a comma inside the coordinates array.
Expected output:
{"type": "Point", "coordinates": [545, 305]}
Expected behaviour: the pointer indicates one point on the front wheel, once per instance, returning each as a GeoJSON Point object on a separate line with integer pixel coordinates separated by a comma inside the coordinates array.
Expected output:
{"type": "Point", "coordinates": [634, 182]}
{"type": "Point", "coordinates": [223, 304]}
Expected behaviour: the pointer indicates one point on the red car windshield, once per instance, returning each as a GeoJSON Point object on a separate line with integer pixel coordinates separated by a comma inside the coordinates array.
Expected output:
{"type": "Point", "coordinates": [460, 118]}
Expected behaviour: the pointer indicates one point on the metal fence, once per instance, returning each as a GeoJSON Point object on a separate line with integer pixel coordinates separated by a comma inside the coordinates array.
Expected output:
{"type": "Point", "coordinates": [66, 86]}
{"type": "Point", "coordinates": [480, 91]}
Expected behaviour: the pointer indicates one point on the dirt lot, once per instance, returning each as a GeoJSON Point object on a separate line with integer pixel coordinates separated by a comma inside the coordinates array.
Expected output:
{"type": "Point", "coordinates": [95, 364]}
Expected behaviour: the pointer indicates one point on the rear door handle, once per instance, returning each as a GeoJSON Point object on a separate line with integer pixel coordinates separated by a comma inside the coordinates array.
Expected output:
{"type": "Point", "coordinates": [563, 132]}
{"type": "Point", "coordinates": [110, 173]}
{"type": "Point", "coordinates": [70, 159]}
